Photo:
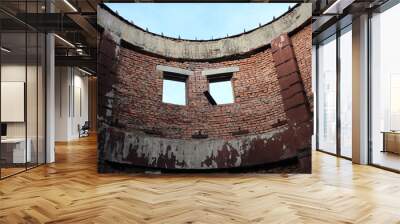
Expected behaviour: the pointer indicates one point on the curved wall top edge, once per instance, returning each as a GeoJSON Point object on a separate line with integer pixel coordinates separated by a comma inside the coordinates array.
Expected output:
{"type": "Point", "coordinates": [203, 50]}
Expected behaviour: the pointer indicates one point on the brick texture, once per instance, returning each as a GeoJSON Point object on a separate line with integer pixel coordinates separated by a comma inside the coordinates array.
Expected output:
{"type": "Point", "coordinates": [267, 100]}
{"type": "Point", "coordinates": [302, 45]}
{"type": "Point", "coordinates": [258, 103]}
{"type": "Point", "coordinates": [258, 100]}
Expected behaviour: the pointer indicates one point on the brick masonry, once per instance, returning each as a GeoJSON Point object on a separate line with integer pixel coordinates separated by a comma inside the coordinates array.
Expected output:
{"type": "Point", "coordinates": [272, 91]}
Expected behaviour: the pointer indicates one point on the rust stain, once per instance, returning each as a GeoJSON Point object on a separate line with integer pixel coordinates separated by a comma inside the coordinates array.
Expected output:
{"type": "Point", "coordinates": [227, 156]}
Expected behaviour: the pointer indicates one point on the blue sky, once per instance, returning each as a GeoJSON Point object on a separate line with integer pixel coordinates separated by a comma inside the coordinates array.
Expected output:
{"type": "Point", "coordinates": [199, 20]}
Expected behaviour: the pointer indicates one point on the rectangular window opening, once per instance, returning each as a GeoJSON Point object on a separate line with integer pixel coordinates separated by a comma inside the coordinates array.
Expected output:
{"type": "Point", "coordinates": [221, 89]}
{"type": "Point", "coordinates": [174, 89]}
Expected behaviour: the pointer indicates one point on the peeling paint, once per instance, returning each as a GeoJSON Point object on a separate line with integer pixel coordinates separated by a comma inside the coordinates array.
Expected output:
{"type": "Point", "coordinates": [143, 150]}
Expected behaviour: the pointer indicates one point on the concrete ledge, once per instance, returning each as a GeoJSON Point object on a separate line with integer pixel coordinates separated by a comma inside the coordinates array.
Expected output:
{"type": "Point", "coordinates": [203, 49]}
{"type": "Point", "coordinates": [142, 150]}
{"type": "Point", "coordinates": [174, 70]}
{"type": "Point", "coordinates": [220, 70]}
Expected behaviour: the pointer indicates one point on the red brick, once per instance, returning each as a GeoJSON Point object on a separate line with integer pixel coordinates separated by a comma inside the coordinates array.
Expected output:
{"type": "Point", "coordinates": [294, 101]}
{"type": "Point", "coordinates": [289, 92]}
{"type": "Point", "coordinates": [289, 80]}
{"type": "Point", "coordinates": [286, 68]}
{"type": "Point", "coordinates": [280, 42]}
{"type": "Point", "coordinates": [258, 92]}
{"type": "Point", "coordinates": [283, 55]}
{"type": "Point", "coordinates": [298, 114]}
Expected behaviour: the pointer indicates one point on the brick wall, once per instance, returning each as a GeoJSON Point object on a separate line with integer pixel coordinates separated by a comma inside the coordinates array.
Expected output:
{"type": "Point", "coordinates": [258, 104]}
{"type": "Point", "coordinates": [302, 44]}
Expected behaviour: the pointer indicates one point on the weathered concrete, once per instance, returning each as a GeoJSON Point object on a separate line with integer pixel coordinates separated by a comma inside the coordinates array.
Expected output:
{"type": "Point", "coordinates": [174, 70]}
{"type": "Point", "coordinates": [143, 150]}
{"type": "Point", "coordinates": [220, 70]}
{"type": "Point", "coordinates": [191, 49]}
{"type": "Point", "coordinates": [139, 149]}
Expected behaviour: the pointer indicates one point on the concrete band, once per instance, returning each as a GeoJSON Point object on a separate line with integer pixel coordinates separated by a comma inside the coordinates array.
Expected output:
{"type": "Point", "coordinates": [220, 71]}
{"type": "Point", "coordinates": [181, 71]}
{"type": "Point", "coordinates": [199, 50]}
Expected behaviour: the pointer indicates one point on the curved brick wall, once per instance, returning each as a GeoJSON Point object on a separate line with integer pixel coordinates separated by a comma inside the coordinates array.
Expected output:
{"type": "Point", "coordinates": [270, 120]}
